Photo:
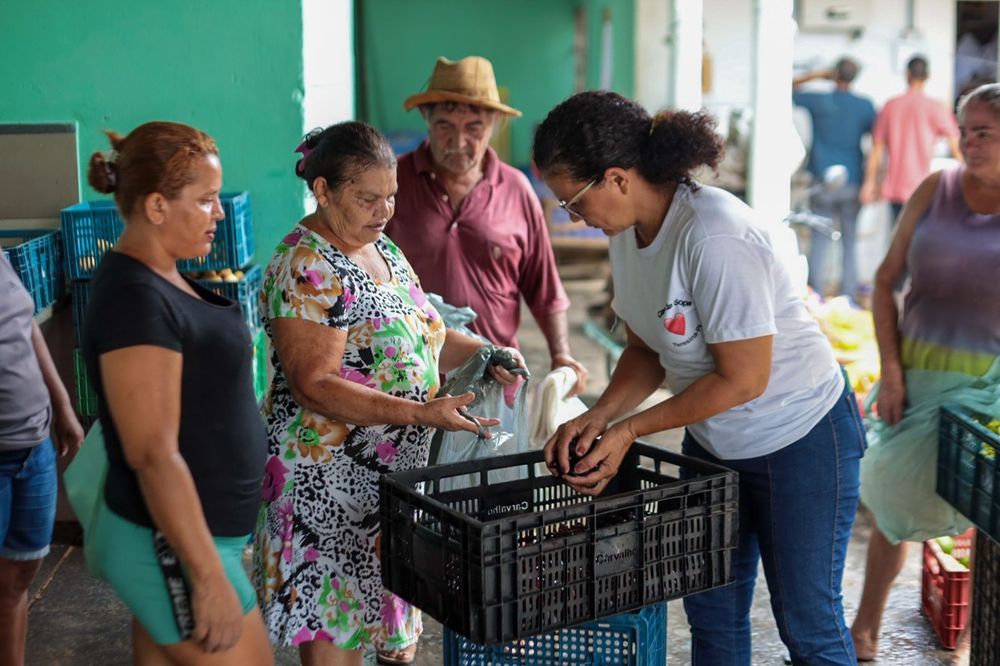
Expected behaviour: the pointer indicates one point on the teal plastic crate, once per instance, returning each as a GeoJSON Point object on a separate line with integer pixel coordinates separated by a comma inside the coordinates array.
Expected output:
{"type": "Point", "coordinates": [36, 257]}
{"type": "Point", "coordinates": [967, 470]}
{"type": "Point", "coordinates": [86, 397]}
{"type": "Point", "coordinates": [246, 292]}
{"type": "Point", "coordinates": [91, 228]}
{"type": "Point", "coordinates": [629, 639]}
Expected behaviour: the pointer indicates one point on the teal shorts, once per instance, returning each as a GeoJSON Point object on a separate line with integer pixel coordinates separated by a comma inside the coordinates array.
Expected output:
{"type": "Point", "coordinates": [124, 556]}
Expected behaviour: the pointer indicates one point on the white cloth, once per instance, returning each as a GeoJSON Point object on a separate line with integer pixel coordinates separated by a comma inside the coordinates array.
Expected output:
{"type": "Point", "coordinates": [711, 275]}
{"type": "Point", "coordinates": [549, 407]}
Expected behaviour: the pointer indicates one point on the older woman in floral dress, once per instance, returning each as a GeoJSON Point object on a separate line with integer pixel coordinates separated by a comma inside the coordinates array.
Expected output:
{"type": "Point", "coordinates": [358, 353]}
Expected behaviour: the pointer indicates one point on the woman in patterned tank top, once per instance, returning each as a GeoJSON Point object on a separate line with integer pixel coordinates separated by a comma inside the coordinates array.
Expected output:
{"type": "Point", "coordinates": [945, 348]}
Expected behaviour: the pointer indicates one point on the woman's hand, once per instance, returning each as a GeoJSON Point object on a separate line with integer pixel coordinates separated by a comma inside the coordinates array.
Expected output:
{"type": "Point", "coordinates": [449, 413]}
{"type": "Point", "coordinates": [579, 432]}
{"type": "Point", "coordinates": [891, 395]}
{"type": "Point", "coordinates": [504, 375]}
{"type": "Point", "coordinates": [218, 614]}
{"type": "Point", "coordinates": [596, 469]}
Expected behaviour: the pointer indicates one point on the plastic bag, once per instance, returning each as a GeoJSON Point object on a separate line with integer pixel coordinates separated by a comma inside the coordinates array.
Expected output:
{"type": "Point", "coordinates": [550, 407]}
{"type": "Point", "coordinates": [84, 483]}
{"type": "Point", "coordinates": [899, 470]}
{"type": "Point", "coordinates": [455, 317]}
{"type": "Point", "coordinates": [510, 437]}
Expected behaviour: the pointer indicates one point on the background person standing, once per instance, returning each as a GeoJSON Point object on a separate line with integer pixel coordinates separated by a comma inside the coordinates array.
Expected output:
{"type": "Point", "coordinates": [840, 119]}
{"type": "Point", "coordinates": [905, 132]}
{"type": "Point", "coordinates": [471, 225]}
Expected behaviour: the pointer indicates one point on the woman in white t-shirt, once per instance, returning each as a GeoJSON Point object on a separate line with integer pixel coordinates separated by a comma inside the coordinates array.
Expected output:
{"type": "Point", "coordinates": [710, 308]}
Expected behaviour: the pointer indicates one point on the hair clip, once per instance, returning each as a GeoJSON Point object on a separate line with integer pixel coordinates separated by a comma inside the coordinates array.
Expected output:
{"type": "Point", "coordinates": [305, 150]}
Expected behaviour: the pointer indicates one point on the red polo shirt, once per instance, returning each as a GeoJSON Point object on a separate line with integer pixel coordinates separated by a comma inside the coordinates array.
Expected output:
{"type": "Point", "coordinates": [486, 255]}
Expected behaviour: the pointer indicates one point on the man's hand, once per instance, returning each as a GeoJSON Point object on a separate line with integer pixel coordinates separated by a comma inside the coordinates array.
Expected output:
{"type": "Point", "coordinates": [869, 193]}
{"type": "Point", "coordinates": [567, 361]}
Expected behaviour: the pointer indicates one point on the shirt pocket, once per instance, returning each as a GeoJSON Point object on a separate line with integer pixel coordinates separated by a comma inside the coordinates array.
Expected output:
{"type": "Point", "coordinates": [681, 331]}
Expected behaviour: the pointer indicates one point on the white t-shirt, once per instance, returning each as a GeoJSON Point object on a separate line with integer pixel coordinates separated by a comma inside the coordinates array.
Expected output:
{"type": "Point", "coordinates": [711, 276]}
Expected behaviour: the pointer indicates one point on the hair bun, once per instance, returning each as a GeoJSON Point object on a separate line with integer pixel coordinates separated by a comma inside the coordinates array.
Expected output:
{"type": "Point", "coordinates": [101, 172]}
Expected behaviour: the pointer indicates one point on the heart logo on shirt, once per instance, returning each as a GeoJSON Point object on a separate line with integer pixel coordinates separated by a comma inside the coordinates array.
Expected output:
{"type": "Point", "coordinates": [676, 324]}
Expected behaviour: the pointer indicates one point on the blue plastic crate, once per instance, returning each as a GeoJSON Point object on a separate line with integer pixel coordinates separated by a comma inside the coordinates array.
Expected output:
{"type": "Point", "coordinates": [36, 256]}
{"type": "Point", "coordinates": [246, 292]}
{"type": "Point", "coordinates": [91, 228]}
{"type": "Point", "coordinates": [968, 476]}
{"type": "Point", "coordinates": [233, 246]}
{"type": "Point", "coordinates": [629, 639]}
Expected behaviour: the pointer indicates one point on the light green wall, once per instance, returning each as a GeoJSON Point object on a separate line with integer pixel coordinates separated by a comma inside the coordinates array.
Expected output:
{"type": "Point", "coordinates": [232, 68]}
{"type": "Point", "coordinates": [530, 43]}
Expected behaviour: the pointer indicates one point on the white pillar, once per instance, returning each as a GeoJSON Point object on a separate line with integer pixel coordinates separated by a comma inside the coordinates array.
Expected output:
{"type": "Point", "coordinates": [652, 53]}
{"type": "Point", "coordinates": [772, 152]}
{"type": "Point", "coordinates": [327, 65]}
{"type": "Point", "coordinates": [328, 62]}
{"type": "Point", "coordinates": [668, 47]}
{"type": "Point", "coordinates": [686, 51]}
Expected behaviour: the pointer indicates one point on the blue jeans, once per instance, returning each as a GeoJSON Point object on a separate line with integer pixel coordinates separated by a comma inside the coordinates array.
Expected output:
{"type": "Point", "coordinates": [797, 506]}
{"type": "Point", "coordinates": [28, 490]}
{"type": "Point", "coordinates": [842, 207]}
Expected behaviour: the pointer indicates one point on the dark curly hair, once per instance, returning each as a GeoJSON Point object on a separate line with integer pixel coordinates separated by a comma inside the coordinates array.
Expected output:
{"type": "Point", "coordinates": [341, 151]}
{"type": "Point", "coordinates": [596, 130]}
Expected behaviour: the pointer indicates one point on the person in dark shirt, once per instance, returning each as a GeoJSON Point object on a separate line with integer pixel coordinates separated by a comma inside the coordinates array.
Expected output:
{"type": "Point", "coordinates": [171, 365]}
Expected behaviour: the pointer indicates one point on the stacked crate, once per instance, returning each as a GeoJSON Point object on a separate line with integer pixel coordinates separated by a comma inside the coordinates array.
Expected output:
{"type": "Point", "coordinates": [968, 478]}
{"type": "Point", "coordinates": [36, 257]}
{"type": "Point", "coordinates": [90, 229]}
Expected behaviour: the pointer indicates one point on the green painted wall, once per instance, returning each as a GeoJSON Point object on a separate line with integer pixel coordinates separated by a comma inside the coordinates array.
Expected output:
{"type": "Point", "coordinates": [232, 68]}
{"type": "Point", "coordinates": [530, 43]}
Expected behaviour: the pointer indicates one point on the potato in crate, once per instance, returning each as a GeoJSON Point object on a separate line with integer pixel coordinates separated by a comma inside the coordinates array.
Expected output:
{"type": "Point", "coordinates": [237, 285]}
{"type": "Point", "coordinates": [504, 560]}
{"type": "Point", "coordinates": [944, 585]}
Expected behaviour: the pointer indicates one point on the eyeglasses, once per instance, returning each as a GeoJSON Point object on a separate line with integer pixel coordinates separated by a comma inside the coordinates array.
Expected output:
{"type": "Point", "coordinates": [568, 205]}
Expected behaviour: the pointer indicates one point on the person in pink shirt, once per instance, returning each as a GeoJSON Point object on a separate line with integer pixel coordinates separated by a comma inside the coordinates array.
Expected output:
{"type": "Point", "coordinates": [906, 130]}
{"type": "Point", "coordinates": [469, 224]}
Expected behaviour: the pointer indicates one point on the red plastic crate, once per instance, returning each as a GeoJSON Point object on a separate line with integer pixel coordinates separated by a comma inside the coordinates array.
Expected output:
{"type": "Point", "coordinates": [945, 588]}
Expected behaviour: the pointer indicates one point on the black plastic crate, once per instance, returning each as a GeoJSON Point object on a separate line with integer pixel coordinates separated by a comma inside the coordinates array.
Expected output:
{"type": "Point", "coordinates": [985, 649]}
{"type": "Point", "coordinates": [501, 561]}
{"type": "Point", "coordinates": [36, 257]}
{"type": "Point", "coordinates": [968, 476]}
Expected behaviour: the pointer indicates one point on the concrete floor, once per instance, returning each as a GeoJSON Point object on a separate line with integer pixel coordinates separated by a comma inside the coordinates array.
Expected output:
{"type": "Point", "coordinates": [77, 620]}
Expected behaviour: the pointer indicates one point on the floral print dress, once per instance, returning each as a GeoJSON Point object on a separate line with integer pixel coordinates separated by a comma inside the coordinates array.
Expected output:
{"type": "Point", "coordinates": [316, 567]}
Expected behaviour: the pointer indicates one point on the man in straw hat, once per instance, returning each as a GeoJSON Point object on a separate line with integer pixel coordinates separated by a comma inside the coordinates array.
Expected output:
{"type": "Point", "coordinates": [469, 224]}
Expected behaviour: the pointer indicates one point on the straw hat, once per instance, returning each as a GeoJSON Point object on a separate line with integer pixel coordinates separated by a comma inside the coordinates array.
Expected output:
{"type": "Point", "coordinates": [468, 81]}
